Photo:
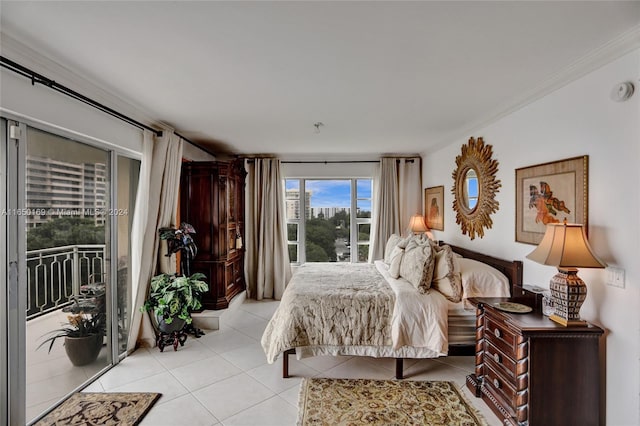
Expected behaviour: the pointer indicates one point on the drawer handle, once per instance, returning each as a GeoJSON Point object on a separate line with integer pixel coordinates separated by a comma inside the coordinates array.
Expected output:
{"type": "Point", "coordinates": [496, 357]}
{"type": "Point", "coordinates": [497, 333]}
{"type": "Point", "coordinates": [496, 383]}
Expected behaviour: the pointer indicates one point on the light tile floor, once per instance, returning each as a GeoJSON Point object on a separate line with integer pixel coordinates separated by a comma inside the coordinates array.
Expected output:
{"type": "Point", "coordinates": [223, 378]}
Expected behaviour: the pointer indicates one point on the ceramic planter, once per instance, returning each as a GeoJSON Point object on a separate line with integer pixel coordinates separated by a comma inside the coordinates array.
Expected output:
{"type": "Point", "coordinates": [176, 325]}
{"type": "Point", "coordinates": [83, 350]}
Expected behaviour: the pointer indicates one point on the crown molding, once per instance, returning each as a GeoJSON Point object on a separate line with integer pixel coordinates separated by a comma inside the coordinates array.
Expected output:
{"type": "Point", "coordinates": [605, 54]}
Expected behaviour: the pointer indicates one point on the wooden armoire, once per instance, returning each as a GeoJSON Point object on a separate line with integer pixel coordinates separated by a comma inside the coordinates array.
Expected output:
{"type": "Point", "coordinates": [212, 200]}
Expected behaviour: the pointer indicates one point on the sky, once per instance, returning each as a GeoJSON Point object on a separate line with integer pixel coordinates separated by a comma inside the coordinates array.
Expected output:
{"type": "Point", "coordinates": [334, 193]}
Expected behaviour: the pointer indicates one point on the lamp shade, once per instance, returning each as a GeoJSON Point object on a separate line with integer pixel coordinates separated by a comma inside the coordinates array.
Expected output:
{"type": "Point", "coordinates": [565, 245]}
{"type": "Point", "coordinates": [417, 225]}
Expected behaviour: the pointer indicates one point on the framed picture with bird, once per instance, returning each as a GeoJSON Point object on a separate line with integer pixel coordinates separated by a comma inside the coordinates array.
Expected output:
{"type": "Point", "coordinates": [551, 193]}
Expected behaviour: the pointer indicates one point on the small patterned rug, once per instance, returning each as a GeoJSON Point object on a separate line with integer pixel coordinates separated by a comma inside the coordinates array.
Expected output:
{"type": "Point", "coordinates": [122, 409]}
{"type": "Point", "coordinates": [384, 402]}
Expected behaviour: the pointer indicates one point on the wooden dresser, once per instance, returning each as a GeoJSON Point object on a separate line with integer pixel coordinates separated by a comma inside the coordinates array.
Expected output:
{"type": "Point", "coordinates": [212, 200]}
{"type": "Point", "coordinates": [532, 371]}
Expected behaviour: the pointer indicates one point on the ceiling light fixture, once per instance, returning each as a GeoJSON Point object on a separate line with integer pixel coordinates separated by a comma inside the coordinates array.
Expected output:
{"type": "Point", "coordinates": [317, 125]}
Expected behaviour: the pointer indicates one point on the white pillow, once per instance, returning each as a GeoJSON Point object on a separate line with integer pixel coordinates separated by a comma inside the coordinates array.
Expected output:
{"type": "Point", "coordinates": [396, 259]}
{"type": "Point", "coordinates": [482, 280]}
{"type": "Point", "coordinates": [392, 242]}
{"type": "Point", "coordinates": [446, 276]}
{"type": "Point", "coordinates": [417, 267]}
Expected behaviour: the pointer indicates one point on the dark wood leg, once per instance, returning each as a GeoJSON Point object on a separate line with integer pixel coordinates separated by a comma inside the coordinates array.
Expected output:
{"type": "Point", "coordinates": [399, 368]}
{"type": "Point", "coordinates": [285, 362]}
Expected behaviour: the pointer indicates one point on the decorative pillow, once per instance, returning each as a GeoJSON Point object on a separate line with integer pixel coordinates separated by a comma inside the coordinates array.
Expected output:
{"type": "Point", "coordinates": [417, 267]}
{"type": "Point", "coordinates": [446, 276]}
{"type": "Point", "coordinates": [404, 242]}
{"type": "Point", "coordinates": [482, 280]}
{"type": "Point", "coordinates": [396, 258]}
{"type": "Point", "coordinates": [415, 240]}
{"type": "Point", "coordinates": [392, 242]}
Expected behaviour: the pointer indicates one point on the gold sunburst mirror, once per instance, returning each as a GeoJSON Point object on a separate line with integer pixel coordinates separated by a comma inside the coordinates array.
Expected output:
{"type": "Point", "coordinates": [474, 188]}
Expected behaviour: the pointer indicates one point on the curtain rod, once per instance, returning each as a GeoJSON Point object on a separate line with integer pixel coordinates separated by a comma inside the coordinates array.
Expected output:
{"type": "Point", "coordinates": [40, 79]}
{"type": "Point", "coordinates": [409, 160]}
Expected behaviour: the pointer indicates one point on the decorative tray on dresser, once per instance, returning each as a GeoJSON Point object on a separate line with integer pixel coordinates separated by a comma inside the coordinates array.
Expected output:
{"type": "Point", "coordinates": [532, 371]}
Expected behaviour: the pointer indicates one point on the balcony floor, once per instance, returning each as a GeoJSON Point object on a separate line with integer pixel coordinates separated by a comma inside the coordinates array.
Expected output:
{"type": "Point", "coordinates": [51, 376]}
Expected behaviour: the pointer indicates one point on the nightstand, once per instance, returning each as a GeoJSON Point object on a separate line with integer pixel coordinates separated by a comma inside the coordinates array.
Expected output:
{"type": "Point", "coordinates": [533, 371]}
{"type": "Point", "coordinates": [526, 292]}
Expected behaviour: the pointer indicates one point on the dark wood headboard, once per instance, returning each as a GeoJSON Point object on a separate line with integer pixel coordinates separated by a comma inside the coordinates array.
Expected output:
{"type": "Point", "coordinates": [511, 268]}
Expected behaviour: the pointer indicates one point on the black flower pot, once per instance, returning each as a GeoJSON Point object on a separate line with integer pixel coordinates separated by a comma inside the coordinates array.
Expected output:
{"type": "Point", "coordinates": [83, 350]}
{"type": "Point", "coordinates": [176, 325]}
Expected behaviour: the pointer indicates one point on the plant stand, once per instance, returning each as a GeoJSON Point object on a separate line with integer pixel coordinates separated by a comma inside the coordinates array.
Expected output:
{"type": "Point", "coordinates": [174, 338]}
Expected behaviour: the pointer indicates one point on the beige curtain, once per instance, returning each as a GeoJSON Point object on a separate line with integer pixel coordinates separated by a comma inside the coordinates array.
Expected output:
{"type": "Point", "coordinates": [397, 198]}
{"type": "Point", "coordinates": [156, 207]}
{"type": "Point", "coordinates": [267, 265]}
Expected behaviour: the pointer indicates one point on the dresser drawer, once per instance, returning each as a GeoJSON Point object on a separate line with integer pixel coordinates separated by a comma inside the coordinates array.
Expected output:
{"type": "Point", "coordinates": [499, 336]}
{"type": "Point", "coordinates": [499, 361]}
{"type": "Point", "coordinates": [501, 388]}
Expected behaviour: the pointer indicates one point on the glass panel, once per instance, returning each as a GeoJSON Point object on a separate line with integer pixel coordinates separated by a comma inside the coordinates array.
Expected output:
{"type": "Point", "coordinates": [363, 252]}
{"type": "Point", "coordinates": [364, 188]}
{"type": "Point", "coordinates": [364, 230]}
{"type": "Point", "coordinates": [293, 252]}
{"type": "Point", "coordinates": [128, 173]}
{"type": "Point", "coordinates": [327, 227]}
{"type": "Point", "coordinates": [292, 198]}
{"type": "Point", "coordinates": [363, 200]}
{"type": "Point", "coordinates": [292, 232]}
{"type": "Point", "coordinates": [67, 201]}
{"type": "Point", "coordinates": [364, 208]}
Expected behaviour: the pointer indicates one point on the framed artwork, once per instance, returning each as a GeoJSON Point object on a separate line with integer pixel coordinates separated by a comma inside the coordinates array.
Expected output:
{"type": "Point", "coordinates": [550, 193]}
{"type": "Point", "coordinates": [433, 207]}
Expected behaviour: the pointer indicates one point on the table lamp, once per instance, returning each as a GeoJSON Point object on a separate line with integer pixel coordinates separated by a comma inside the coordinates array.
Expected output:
{"type": "Point", "coordinates": [418, 226]}
{"type": "Point", "coordinates": [565, 246]}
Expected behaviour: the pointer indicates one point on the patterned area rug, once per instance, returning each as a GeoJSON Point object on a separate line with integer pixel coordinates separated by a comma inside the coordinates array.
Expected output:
{"type": "Point", "coordinates": [122, 409]}
{"type": "Point", "coordinates": [384, 402]}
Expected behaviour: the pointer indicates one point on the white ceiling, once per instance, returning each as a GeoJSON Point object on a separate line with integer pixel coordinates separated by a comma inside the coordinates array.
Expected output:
{"type": "Point", "coordinates": [383, 77]}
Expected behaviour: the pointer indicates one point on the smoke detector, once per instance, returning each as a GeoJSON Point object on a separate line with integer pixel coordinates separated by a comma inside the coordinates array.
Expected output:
{"type": "Point", "coordinates": [622, 91]}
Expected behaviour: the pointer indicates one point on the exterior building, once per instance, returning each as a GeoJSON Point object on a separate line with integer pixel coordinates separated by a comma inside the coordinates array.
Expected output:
{"type": "Point", "coordinates": [59, 189]}
{"type": "Point", "coordinates": [292, 200]}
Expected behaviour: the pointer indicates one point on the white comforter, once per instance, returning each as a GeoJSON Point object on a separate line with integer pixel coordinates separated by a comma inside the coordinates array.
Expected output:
{"type": "Point", "coordinates": [418, 320]}
{"type": "Point", "coordinates": [317, 320]}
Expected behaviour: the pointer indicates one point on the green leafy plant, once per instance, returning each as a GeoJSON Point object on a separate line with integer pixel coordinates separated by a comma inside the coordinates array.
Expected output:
{"type": "Point", "coordinates": [175, 297]}
{"type": "Point", "coordinates": [79, 325]}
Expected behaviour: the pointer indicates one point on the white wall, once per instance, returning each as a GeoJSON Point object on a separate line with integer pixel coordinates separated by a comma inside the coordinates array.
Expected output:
{"type": "Point", "coordinates": [575, 120]}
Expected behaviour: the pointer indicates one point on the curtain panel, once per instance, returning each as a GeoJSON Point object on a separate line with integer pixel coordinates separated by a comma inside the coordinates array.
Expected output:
{"type": "Point", "coordinates": [267, 266]}
{"type": "Point", "coordinates": [156, 207]}
{"type": "Point", "coordinates": [397, 198]}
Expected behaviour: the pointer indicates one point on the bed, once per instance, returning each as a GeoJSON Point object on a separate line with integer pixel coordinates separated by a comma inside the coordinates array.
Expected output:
{"type": "Point", "coordinates": [368, 310]}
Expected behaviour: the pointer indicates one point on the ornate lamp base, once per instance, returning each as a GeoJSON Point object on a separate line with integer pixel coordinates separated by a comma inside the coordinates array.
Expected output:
{"type": "Point", "coordinates": [568, 292]}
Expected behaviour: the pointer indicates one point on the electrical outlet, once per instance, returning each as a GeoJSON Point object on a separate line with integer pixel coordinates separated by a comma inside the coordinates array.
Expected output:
{"type": "Point", "coordinates": [615, 277]}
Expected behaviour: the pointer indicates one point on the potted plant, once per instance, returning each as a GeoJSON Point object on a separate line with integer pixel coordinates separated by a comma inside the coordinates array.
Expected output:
{"type": "Point", "coordinates": [83, 337]}
{"type": "Point", "coordinates": [172, 298]}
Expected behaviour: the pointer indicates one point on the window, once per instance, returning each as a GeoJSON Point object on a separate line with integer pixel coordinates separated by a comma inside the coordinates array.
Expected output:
{"type": "Point", "coordinates": [320, 223]}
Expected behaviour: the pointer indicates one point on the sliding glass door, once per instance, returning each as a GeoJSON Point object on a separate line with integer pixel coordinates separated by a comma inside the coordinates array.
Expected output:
{"type": "Point", "coordinates": [69, 206]}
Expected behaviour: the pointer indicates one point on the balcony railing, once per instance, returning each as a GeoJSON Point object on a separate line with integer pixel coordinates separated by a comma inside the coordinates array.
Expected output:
{"type": "Point", "coordinates": [55, 274]}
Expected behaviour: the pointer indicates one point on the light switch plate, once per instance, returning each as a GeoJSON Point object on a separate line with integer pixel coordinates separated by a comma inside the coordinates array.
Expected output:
{"type": "Point", "coordinates": [615, 276]}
